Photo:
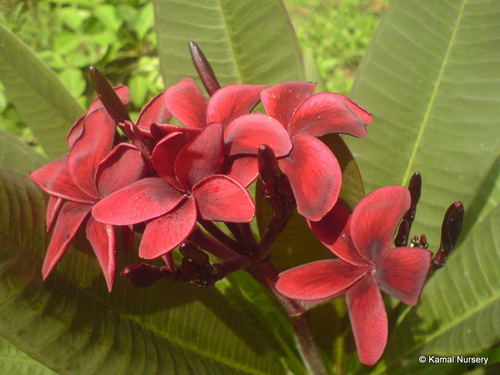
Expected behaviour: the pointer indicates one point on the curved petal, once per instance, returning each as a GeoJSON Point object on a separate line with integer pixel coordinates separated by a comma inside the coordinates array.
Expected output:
{"type": "Point", "coordinates": [232, 101]}
{"type": "Point", "coordinates": [69, 220]}
{"type": "Point", "coordinates": [123, 166]}
{"type": "Point", "coordinates": [368, 319]}
{"type": "Point", "coordinates": [245, 134]}
{"type": "Point", "coordinates": [318, 280]}
{"type": "Point", "coordinates": [75, 132]}
{"type": "Point", "coordinates": [282, 100]}
{"type": "Point", "coordinates": [154, 112]}
{"type": "Point", "coordinates": [315, 176]}
{"type": "Point", "coordinates": [54, 179]}
{"type": "Point", "coordinates": [333, 231]}
{"type": "Point", "coordinates": [402, 271]}
{"type": "Point", "coordinates": [143, 200]}
{"type": "Point", "coordinates": [376, 218]}
{"type": "Point", "coordinates": [187, 103]}
{"type": "Point", "coordinates": [168, 231]}
{"type": "Point", "coordinates": [220, 198]}
{"type": "Point", "coordinates": [201, 157]}
{"type": "Point", "coordinates": [159, 131]}
{"type": "Point", "coordinates": [88, 151]}
{"type": "Point", "coordinates": [326, 113]}
{"type": "Point", "coordinates": [244, 169]}
{"type": "Point", "coordinates": [103, 241]}
{"type": "Point", "coordinates": [53, 209]}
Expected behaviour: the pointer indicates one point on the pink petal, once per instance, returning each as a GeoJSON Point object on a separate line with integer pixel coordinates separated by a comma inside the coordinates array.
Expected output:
{"type": "Point", "coordinates": [219, 198]}
{"type": "Point", "coordinates": [244, 169]}
{"type": "Point", "coordinates": [333, 231]}
{"type": "Point", "coordinates": [282, 100]}
{"type": "Point", "coordinates": [201, 157]}
{"type": "Point", "coordinates": [69, 220]}
{"type": "Point", "coordinates": [123, 166]}
{"type": "Point", "coordinates": [326, 113]}
{"type": "Point", "coordinates": [159, 131]}
{"type": "Point", "coordinates": [232, 101]}
{"type": "Point", "coordinates": [402, 271]}
{"type": "Point", "coordinates": [143, 200]}
{"type": "Point", "coordinates": [88, 151]}
{"type": "Point", "coordinates": [315, 176]}
{"type": "Point", "coordinates": [53, 208]}
{"type": "Point", "coordinates": [368, 319]}
{"type": "Point", "coordinates": [187, 103]}
{"type": "Point", "coordinates": [375, 219]}
{"type": "Point", "coordinates": [153, 112]}
{"type": "Point", "coordinates": [54, 179]}
{"type": "Point", "coordinates": [102, 238]}
{"type": "Point", "coordinates": [123, 93]}
{"type": "Point", "coordinates": [168, 231]}
{"type": "Point", "coordinates": [318, 280]}
{"type": "Point", "coordinates": [245, 134]}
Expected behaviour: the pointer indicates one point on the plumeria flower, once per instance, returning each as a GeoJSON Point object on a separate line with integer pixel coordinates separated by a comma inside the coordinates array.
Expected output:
{"type": "Point", "coordinates": [90, 171]}
{"type": "Point", "coordinates": [188, 188]}
{"type": "Point", "coordinates": [367, 264]}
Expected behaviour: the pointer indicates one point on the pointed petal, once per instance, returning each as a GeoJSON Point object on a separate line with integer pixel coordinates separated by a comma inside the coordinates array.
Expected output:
{"type": "Point", "coordinates": [318, 280]}
{"type": "Point", "coordinates": [102, 238]}
{"type": "Point", "coordinates": [326, 113]}
{"type": "Point", "coordinates": [201, 157]}
{"type": "Point", "coordinates": [54, 179]}
{"type": "Point", "coordinates": [123, 166]}
{"type": "Point", "coordinates": [53, 209]}
{"type": "Point", "coordinates": [143, 200]}
{"type": "Point", "coordinates": [154, 112]}
{"type": "Point", "coordinates": [232, 101]}
{"type": "Point", "coordinates": [314, 175]}
{"type": "Point", "coordinates": [245, 134]}
{"type": "Point", "coordinates": [69, 220]}
{"type": "Point", "coordinates": [402, 271]}
{"type": "Point", "coordinates": [375, 219]}
{"type": "Point", "coordinates": [368, 319]}
{"type": "Point", "coordinates": [219, 198]}
{"type": "Point", "coordinates": [245, 170]}
{"type": "Point", "coordinates": [282, 100]}
{"type": "Point", "coordinates": [187, 103]}
{"type": "Point", "coordinates": [333, 231]}
{"type": "Point", "coordinates": [168, 231]}
{"type": "Point", "coordinates": [88, 151]}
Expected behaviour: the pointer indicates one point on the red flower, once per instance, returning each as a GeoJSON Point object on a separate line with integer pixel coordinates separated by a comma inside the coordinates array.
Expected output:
{"type": "Point", "coordinates": [367, 265]}
{"type": "Point", "coordinates": [190, 184]}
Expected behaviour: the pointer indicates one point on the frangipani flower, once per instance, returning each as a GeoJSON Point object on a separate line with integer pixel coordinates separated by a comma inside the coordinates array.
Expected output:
{"type": "Point", "coordinates": [367, 264]}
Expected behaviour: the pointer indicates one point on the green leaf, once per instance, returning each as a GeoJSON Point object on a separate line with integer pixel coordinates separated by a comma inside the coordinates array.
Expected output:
{"type": "Point", "coordinates": [250, 41]}
{"type": "Point", "coordinates": [459, 309]}
{"type": "Point", "coordinates": [42, 100]}
{"type": "Point", "coordinates": [171, 328]}
{"type": "Point", "coordinates": [431, 80]}
{"type": "Point", "coordinates": [14, 361]}
{"type": "Point", "coordinates": [17, 156]}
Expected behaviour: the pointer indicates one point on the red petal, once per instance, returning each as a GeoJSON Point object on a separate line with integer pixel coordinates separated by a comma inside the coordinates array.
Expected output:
{"type": "Point", "coordinates": [143, 200]}
{"type": "Point", "coordinates": [402, 271]}
{"type": "Point", "coordinates": [187, 103]}
{"type": "Point", "coordinates": [122, 167]}
{"type": "Point", "coordinates": [168, 231]}
{"type": "Point", "coordinates": [333, 231]}
{"type": "Point", "coordinates": [75, 132]}
{"type": "Point", "coordinates": [201, 157]}
{"type": "Point", "coordinates": [54, 179]}
{"type": "Point", "coordinates": [318, 280]}
{"type": "Point", "coordinates": [245, 170]}
{"type": "Point", "coordinates": [102, 238]}
{"type": "Point", "coordinates": [375, 219]}
{"type": "Point", "coordinates": [315, 176]}
{"type": "Point", "coordinates": [88, 151]}
{"type": "Point", "coordinates": [232, 101]}
{"type": "Point", "coordinates": [326, 113]}
{"type": "Point", "coordinates": [245, 134]}
{"type": "Point", "coordinates": [159, 131]}
{"type": "Point", "coordinates": [153, 112]}
{"type": "Point", "coordinates": [69, 220]}
{"type": "Point", "coordinates": [53, 208]}
{"type": "Point", "coordinates": [282, 100]}
{"type": "Point", "coordinates": [219, 198]}
{"type": "Point", "coordinates": [368, 319]}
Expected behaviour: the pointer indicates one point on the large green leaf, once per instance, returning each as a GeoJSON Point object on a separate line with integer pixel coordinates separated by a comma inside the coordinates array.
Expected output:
{"type": "Point", "coordinates": [250, 41]}
{"type": "Point", "coordinates": [39, 96]}
{"type": "Point", "coordinates": [72, 325]}
{"type": "Point", "coordinates": [431, 78]}
{"type": "Point", "coordinates": [17, 156]}
{"type": "Point", "coordinates": [14, 361]}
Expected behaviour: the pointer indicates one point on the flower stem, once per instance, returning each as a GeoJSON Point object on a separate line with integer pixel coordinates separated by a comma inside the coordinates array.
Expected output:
{"type": "Point", "coordinates": [220, 235]}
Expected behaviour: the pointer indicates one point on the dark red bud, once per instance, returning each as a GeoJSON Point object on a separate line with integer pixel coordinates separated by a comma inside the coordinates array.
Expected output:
{"type": "Point", "coordinates": [415, 188]}
{"type": "Point", "coordinates": [143, 275]}
{"type": "Point", "coordinates": [268, 166]}
{"type": "Point", "coordinates": [204, 69]}
{"type": "Point", "coordinates": [450, 232]}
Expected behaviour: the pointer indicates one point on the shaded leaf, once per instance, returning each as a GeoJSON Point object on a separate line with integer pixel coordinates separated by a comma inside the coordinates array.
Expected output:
{"type": "Point", "coordinates": [17, 156]}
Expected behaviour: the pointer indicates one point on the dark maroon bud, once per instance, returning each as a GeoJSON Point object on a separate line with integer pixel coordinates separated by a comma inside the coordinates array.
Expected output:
{"type": "Point", "coordinates": [204, 69]}
{"type": "Point", "coordinates": [143, 275]}
{"type": "Point", "coordinates": [403, 233]}
{"type": "Point", "coordinates": [450, 232]}
{"type": "Point", "coordinates": [108, 96]}
{"type": "Point", "coordinates": [268, 166]}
